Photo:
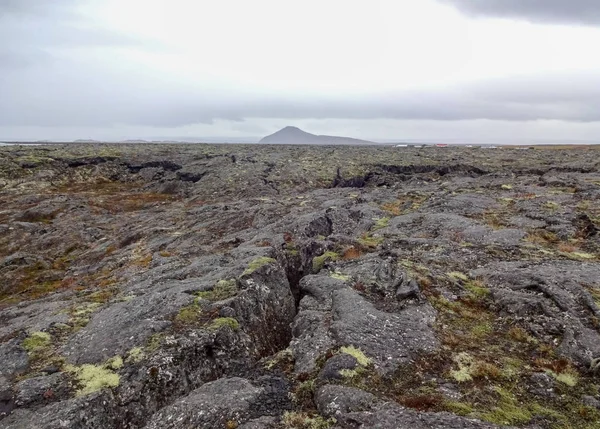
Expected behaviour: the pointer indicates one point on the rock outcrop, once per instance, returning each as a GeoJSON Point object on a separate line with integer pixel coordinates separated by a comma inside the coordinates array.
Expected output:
{"type": "Point", "coordinates": [224, 286]}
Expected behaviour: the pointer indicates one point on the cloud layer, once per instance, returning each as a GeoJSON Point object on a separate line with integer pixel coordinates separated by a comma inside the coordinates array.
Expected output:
{"type": "Point", "coordinates": [585, 12]}
{"type": "Point", "coordinates": [63, 66]}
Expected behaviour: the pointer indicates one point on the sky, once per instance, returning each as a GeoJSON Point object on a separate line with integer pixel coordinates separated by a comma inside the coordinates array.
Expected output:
{"type": "Point", "coordinates": [499, 71]}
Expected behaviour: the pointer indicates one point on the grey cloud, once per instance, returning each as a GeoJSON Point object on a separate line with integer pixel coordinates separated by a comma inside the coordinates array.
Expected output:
{"type": "Point", "coordinates": [86, 94]}
{"type": "Point", "coordinates": [34, 7]}
{"type": "Point", "coordinates": [586, 12]}
{"type": "Point", "coordinates": [30, 30]}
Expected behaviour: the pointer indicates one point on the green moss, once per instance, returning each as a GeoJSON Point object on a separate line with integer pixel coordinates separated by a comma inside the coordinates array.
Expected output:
{"type": "Point", "coordinates": [459, 408]}
{"type": "Point", "coordinates": [37, 341]}
{"type": "Point", "coordinates": [507, 187]}
{"type": "Point", "coordinates": [357, 354]}
{"type": "Point", "coordinates": [296, 420]}
{"type": "Point", "coordinates": [482, 329]}
{"type": "Point", "coordinates": [92, 378]}
{"type": "Point", "coordinates": [303, 392]}
{"type": "Point", "coordinates": [465, 364]}
{"type": "Point", "coordinates": [135, 355]}
{"type": "Point", "coordinates": [551, 205]}
{"type": "Point", "coordinates": [340, 276]}
{"type": "Point", "coordinates": [102, 296]}
{"type": "Point", "coordinates": [351, 373]}
{"type": "Point", "coordinates": [223, 289]}
{"type": "Point", "coordinates": [189, 314]}
{"type": "Point", "coordinates": [115, 362]}
{"type": "Point", "coordinates": [456, 275]}
{"type": "Point", "coordinates": [568, 377]}
{"type": "Point", "coordinates": [154, 342]}
{"type": "Point", "coordinates": [368, 240]}
{"type": "Point", "coordinates": [220, 322]}
{"type": "Point", "coordinates": [380, 223]}
{"type": "Point", "coordinates": [319, 261]}
{"type": "Point", "coordinates": [476, 289]}
{"type": "Point", "coordinates": [257, 263]}
{"type": "Point", "coordinates": [80, 315]}
{"type": "Point", "coordinates": [508, 410]}
{"type": "Point", "coordinates": [280, 357]}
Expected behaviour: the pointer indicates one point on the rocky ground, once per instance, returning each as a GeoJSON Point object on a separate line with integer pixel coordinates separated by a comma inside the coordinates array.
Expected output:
{"type": "Point", "coordinates": [223, 286]}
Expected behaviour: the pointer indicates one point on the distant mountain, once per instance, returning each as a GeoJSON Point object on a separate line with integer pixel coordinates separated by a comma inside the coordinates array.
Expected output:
{"type": "Point", "coordinates": [294, 135]}
{"type": "Point", "coordinates": [86, 141]}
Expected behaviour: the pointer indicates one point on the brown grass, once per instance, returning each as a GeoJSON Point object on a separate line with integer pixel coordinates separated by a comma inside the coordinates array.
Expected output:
{"type": "Point", "coordinates": [351, 253]}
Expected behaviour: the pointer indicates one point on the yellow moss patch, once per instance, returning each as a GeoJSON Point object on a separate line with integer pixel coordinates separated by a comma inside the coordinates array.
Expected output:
{"type": "Point", "coordinates": [357, 354]}
{"type": "Point", "coordinates": [257, 263]}
{"type": "Point", "coordinates": [465, 364]}
{"type": "Point", "coordinates": [135, 355]}
{"type": "Point", "coordinates": [581, 255]}
{"type": "Point", "coordinates": [37, 341]}
{"type": "Point", "coordinates": [115, 362]}
{"type": "Point", "coordinates": [92, 378]}
{"type": "Point", "coordinates": [568, 377]}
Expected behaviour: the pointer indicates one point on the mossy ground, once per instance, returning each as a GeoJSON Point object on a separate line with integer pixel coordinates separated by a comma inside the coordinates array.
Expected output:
{"type": "Point", "coordinates": [257, 263]}
{"type": "Point", "coordinates": [319, 261]}
{"type": "Point", "coordinates": [490, 360]}
{"type": "Point", "coordinates": [36, 342]}
{"type": "Point", "coordinates": [92, 378]}
{"type": "Point", "coordinates": [223, 289]}
{"type": "Point", "coordinates": [301, 420]}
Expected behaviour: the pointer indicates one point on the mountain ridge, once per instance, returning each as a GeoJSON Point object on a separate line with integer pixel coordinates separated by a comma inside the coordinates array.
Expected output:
{"type": "Point", "coordinates": [294, 135]}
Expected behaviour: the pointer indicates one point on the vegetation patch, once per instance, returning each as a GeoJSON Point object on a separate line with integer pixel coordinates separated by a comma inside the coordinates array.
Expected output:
{"type": "Point", "coordinates": [115, 363]}
{"type": "Point", "coordinates": [92, 378]}
{"type": "Point", "coordinates": [80, 315]}
{"type": "Point", "coordinates": [477, 289]}
{"type": "Point", "coordinates": [351, 252]}
{"type": "Point", "coordinates": [369, 241]}
{"type": "Point", "coordinates": [223, 289]}
{"type": "Point", "coordinates": [456, 275]}
{"type": "Point", "coordinates": [319, 261]}
{"type": "Point", "coordinates": [189, 315]}
{"type": "Point", "coordinates": [135, 355]}
{"type": "Point", "coordinates": [300, 420]}
{"type": "Point", "coordinates": [404, 204]}
{"type": "Point", "coordinates": [357, 354]}
{"type": "Point", "coordinates": [36, 342]}
{"type": "Point", "coordinates": [284, 358]}
{"type": "Point", "coordinates": [221, 322]}
{"type": "Point", "coordinates": [380, 223]}
{"type": "Point", "coordinates": [257, 263]}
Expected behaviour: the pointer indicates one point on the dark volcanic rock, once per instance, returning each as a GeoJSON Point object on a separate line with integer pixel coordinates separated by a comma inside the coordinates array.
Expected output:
{"type": "Point", "coordinates": [212, 405]}
{"type": "Point", "coordinates": [250, 286]}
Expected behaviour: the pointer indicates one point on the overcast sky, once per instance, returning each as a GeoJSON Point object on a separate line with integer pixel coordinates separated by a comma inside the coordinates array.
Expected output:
{"type": "Point", "coordinates": [455, 70]}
